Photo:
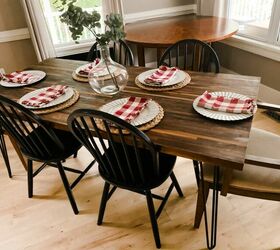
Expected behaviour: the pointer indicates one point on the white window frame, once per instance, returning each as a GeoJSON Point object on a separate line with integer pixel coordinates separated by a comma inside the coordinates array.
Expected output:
{"type": "Point", "coordinates": [72, 48]}
{"type": "Point", "coordinates": [270, 47]}
{"type": "Point", "coordinates": [275, 24]}
{"type": "Point", "coordinates": [273, 29]}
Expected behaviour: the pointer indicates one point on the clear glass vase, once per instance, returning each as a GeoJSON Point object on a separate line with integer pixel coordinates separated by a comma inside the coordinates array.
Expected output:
{"type": "Point", "coordinates": [107, 77]}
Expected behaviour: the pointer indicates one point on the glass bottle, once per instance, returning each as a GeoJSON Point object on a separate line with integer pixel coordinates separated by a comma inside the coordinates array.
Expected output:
{"type": "Point", "coordinates": [107, 77]}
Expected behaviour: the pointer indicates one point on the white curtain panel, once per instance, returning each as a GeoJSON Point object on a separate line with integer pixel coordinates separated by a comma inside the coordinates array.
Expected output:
{"type": "Point", "coordinates": [212, 8]}
{"type": "Point", "coordinates": [38, 29]}
{"type": "Point", "coordinates": [112, 6]}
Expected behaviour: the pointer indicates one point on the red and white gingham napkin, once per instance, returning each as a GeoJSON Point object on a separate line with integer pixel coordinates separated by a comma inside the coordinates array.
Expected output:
{"type": "Point", "coordinates": [46, 96]}
{"type": "Point", "coordinates": [162, 75]}
{"type": "Point", "coordinates": [132, 108]}
{"type": "Point", "coordinates": [223, 104]}
{"type": "Point", "coordinates": [16, 77]}
{"type": "Point", "coordinates": [85, 71]}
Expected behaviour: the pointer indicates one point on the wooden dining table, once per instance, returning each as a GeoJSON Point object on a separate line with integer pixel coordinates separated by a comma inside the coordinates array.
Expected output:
{"type": "Point", "coordinates": [163, 32]}
{"type": "Point", "coordinates": [182, 131]}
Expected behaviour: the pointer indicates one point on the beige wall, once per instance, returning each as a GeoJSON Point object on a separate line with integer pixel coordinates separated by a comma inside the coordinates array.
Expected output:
{"type": "Point", "coordinates": [247, 63]}
{"type": "Point", "coordinates": [132, 6]}
{"type": "Point", "coordinates": [14, 55]}
{"type": "Point", "coordinates": [17, 55]}
{"type": "Point", "coordinates": [11, 15]}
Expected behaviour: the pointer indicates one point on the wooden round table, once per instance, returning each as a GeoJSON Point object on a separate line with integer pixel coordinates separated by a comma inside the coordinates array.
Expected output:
{"type": "Point", "coordinates": [161, 33]}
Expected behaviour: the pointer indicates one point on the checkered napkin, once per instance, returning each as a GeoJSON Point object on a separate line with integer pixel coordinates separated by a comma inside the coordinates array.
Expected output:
{"type": "Point", "coordinates": [85, 71]}
{"type": "Point", "coordinates": [162, 75]}
{"type": "Point", "coordinates": [16, 77]}
{"type": "Point", "coordinates": [132, 108]}
{"type": "Point", "coordinates": [46, 96]}
{"type": "Point", "coordinates": [223, 104]}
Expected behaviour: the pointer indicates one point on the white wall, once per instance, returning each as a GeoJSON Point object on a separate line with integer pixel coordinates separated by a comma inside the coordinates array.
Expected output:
{"type": "Point", "coordinates": [133, 6]}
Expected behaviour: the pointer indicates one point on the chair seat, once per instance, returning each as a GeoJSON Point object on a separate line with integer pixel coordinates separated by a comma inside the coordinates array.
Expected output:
{"type": "Point", "coordinates": [70, 144]}
{"type": "Point", "coordinates": [255, 178]}
{"type": "Point", "coordinates": [166, 163]}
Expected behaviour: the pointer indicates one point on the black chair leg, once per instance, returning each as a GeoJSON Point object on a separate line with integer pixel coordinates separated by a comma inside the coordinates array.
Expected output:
{"type": "Point", "coordinates": [153, 219]}
{"type": "Point", "coordinates": [75, 155]}
{"type": "Point", "coordinates": [176, 184]}
{"type": "Point", "coordinates": [196, 171]}
{"type": "Point", "coordinates": [103, 203]}
{"type": "Point", "coordinates": [30, 178]}
{"type": "Point", "coordinates": [3, 149]}
{"type": "Point", "coordinates": [200, 205]}
{"type": "Point", "coordinates": [67, 188]}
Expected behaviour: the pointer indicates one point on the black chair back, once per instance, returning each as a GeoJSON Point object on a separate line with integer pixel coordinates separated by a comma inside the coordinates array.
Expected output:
{"type": "Point", "coordinates": [191, 54]}
{"type": "Point", "coordinates": [29, 131]}
{"type": "Point", "coordinates": [120, 53]}
{"type": "Point", "coordinates": [121, 162]}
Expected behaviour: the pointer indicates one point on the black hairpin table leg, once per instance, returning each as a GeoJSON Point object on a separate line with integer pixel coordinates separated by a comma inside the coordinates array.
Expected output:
{"type": "Point", "coordinates": [211, 241]}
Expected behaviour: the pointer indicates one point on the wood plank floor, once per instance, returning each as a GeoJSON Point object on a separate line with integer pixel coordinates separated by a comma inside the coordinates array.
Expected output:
{"type": "Point", "coordinates": [47, 221]}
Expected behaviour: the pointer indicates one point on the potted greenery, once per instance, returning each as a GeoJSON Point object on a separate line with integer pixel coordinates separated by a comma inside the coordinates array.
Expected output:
{"type": "Point", "coordinates": [77, 20]}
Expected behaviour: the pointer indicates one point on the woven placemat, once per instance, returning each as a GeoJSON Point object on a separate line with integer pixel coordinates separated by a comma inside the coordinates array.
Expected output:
{"type": "Point", "coordinates": [173, 87]}
{"type": "Point", "coordinates": [144, 127]}
{"type": "Point", "coordinates": [61, 106]}
{"type": "Point", "coordinates": [79, 78]}
{"type": "Point", "coordinates": [85, 79]}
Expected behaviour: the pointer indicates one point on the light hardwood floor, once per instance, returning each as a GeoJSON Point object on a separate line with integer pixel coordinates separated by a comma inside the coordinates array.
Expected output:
{"type": "Point", "coordinates": [47, 221]}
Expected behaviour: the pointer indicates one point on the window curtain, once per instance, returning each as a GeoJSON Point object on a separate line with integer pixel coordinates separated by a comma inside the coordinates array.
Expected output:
{"type": "Point", "coordinates": [38, 29]}
{"type": "Point", "coordinates": [212, 7]}
{"type": "Point", "coordinates": [112, 6]}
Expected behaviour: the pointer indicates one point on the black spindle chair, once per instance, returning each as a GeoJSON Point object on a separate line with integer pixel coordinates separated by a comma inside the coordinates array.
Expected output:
{"type": "Point", "coordinates": [130, 161]}
{"type": "Point", "coordinates": [191, 54]}
{"type": "Point", "coordinates": [4, 152]}
{"type": "Point", "coordinates": [120, 53]}
{"type": "Point", "coordinates": [260, 177]}
{"type": "Point", "coordinates": [194, 55]}
{"type": "Point", "coordinates": [39, 142]}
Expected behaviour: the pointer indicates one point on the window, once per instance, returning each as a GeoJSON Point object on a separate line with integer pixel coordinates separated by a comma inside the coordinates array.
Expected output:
{"type": "Point", "coordinates": [258, 19]}
{"type": "Point", "coordinates": [61, 36]}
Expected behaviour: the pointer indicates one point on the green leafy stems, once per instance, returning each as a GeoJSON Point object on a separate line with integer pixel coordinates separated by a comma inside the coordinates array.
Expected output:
{"type": "Point", "coordinates": [77, 19]}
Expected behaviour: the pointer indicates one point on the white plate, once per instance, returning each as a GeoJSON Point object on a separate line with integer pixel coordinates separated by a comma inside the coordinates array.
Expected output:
{"type": "Point", "coordinates": [69, 92]}
{"type": "Point", "coordinates": [223, 116]}
{"type": "Point", "coordinates": [100, 73]}
{"type": "Point", "coordinates": [146, 115]}
{"type": "Point", "coordinates": [38, 75]}
{"type": "Point", "coordinates": [179, 77]}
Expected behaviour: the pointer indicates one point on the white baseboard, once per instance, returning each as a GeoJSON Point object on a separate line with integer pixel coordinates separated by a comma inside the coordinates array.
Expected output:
{"type": "Point", "coordinates": [172, 11]}
{"type": "Point", "coordinates": [266, 94]}
{"type": "Point", "coordinates": [14, 35]}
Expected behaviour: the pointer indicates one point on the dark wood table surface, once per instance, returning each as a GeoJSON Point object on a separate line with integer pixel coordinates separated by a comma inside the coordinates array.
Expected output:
{"type": "Point", "coordinates": [161, 33]}
{"type": "Point", "coordinates": [182, 131]}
